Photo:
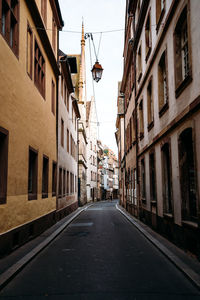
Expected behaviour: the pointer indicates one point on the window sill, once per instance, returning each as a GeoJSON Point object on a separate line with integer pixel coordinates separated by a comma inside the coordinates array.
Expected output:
{"type": "Point", "coordinates": [139, 77]}
{"type": "Point", "coordinates": [53, 194]}
{"type": "Point", "coordinates": [134, 142]}
{"type": "Point", "coordinates": [150, 126]}
{"type": "Point", "coordinates": [148, 54]}
{"type": "Point", "coordinates": [168, 215]}
{"type": "Point", "coordinates": [15, 52]}
{"type": "Point", "coordinates": [144, 201]}
{"type": "Point", "coordinates": [163, 109]}
{"type": "Point", "coordinates": [190, 224]}
{"type": "Point", "coordinates": [153, 202]}
{"type": "Point", "coordinates": [32, 196]}
{"type": "Point", "coordinates": [183, 85]}
{"type": "Point", "coordinates": [42, 93]}
{"type": "Point", "coordinates": [44, 195]}
{"type": "Point", "coordinates": [141, 136]}
{"type": "Point", "coordinates": [3, 200]}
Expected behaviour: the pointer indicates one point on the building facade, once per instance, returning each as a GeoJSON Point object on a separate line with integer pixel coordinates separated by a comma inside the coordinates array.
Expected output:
{"type": "Point", "coordinates": [163, 40]}
{"type": "Point", "coordinates": [28, 137]}
{"type": "Point", "coordinates": [91, 117]}
{"type": "Point", "coordinates": [68, 115]}
{"type": "Point", "coordinates": [79, 83]}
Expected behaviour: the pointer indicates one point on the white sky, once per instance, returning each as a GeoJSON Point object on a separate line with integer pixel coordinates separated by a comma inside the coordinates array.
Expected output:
{"type": "Point", "coordinates": [99, 15]}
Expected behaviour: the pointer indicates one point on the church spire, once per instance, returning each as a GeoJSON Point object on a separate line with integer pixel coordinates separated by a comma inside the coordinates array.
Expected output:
{"type": "Point", "coordinates": [82, 76]}
{"type": "Point", "coordinates": [83, 35]}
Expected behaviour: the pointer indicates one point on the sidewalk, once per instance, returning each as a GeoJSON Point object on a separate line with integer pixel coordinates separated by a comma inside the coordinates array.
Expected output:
{"type": "Point", "coordinates": [186, 264]}
{"type": "Point", "coordinates": [14, 262]}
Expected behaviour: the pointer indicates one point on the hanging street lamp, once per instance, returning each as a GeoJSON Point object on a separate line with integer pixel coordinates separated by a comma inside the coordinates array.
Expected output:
{"type": "Point", "coordinates": [97, 71]}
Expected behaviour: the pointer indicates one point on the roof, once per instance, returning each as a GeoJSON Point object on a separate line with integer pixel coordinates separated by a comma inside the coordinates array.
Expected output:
{"type": "Point", "coordinates": [66, 71]}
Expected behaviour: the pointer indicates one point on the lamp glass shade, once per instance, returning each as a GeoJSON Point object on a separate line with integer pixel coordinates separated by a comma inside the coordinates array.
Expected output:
{"type": "Point", "coordinates": [97, 71]}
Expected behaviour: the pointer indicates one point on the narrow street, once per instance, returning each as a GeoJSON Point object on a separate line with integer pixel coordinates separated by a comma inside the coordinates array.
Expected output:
{"type": "Point", "coordinates": [100, 255]}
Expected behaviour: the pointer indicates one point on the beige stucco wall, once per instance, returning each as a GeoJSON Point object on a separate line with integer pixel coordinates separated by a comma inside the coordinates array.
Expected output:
{"type": "Point", "coordinates": [28, 118]}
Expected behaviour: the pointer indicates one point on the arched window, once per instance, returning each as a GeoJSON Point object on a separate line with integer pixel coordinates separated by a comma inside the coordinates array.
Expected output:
{"type": "Point", "coordinates": [187, 175]}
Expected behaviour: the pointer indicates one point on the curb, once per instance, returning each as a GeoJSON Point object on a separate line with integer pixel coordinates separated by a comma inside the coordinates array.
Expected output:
{"type": "Point", "coordinates": [184, 268]}
{"type": "Point", "coordinates": [12, 271]}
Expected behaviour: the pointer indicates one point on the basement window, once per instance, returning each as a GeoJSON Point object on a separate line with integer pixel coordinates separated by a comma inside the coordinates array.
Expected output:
{"type": "Point", "coordinates": [54, 178]}
{"type": "Point", "coordinates": [32, 174]}
{"type": "Point", "coordinates": [45, 177]}
{"type": "Point", "coordinates": [3, 164]}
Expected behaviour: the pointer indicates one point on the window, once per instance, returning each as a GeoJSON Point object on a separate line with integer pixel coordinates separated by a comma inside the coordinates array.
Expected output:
{"type": "Point", "coordinates": [148, 36]}
{"type": "Point", "coordinates": [160, 9]}
{"type": "Point", "coordinates": [152, 171]}
{"type": "Point", "coordinates": [67, 140]}
{"type": "Point", "coordinates": [32, 174]}
{"type": "Point", "coordinates": [29, 49]}
{"type": "Point", "coordinates": [44, 10]}
{"type": "Point", "coordinates": [75, 184]}
{"type": "Point", "coordinates": [60, 183]}
{"type": "Point", "coordinates": [133, 127]}
{"type": "Point", "coordinates": [141, 119]}
{"type": "Point", "coordinates": [143, 181]}
{"type": "Point", "coordinates": [162, 84]}
{"type": "Point", "coordinates": [54, 34]}
{"type": "Point", "coordinates": [67, 100]}
{"type": "Point", "coordinates": [188, 176]}
{"type": "Point", "coordinates": [62, 83]}
{"type": "Point", "coordinates": [138, 11]}
{"type": "Point", "coordinates": [3, 164]}
{"type": "Point", "coordinates": [64, 182]}
{"type": "Point", "coordinates": [130, 132]}
{"type": "Point", "coordinates": [166, 179]}
{"type": "Point", "coordinates": [54, 178]}
{"type": "Point", "coordinates": [45, 177]}
{"type": "Point", "coordinates": [150, 105]}
{"type": "Point", "coordinates": [67, 182]}
{"type": "Point", "coordinates": [139, 64]}
{"type": "Point", "coordinates": [62, 133]}
{"type": "Point", "coordinates": [39, 75]}
{"type": "Point", "coordinates": [135, 187]}
{"type": "Point", "coordinates": [71, 183]}
{"type": "Point", "coordinates": [184, 50]}
{"type": "Point", "coordinates": [65, 93]}
{"type": "Point", "coordinates": [9, 15]}
{"type": "Point", "coordinates": [182, 55]}
{"type": "Point", "coordinates": [53, 97]}
{"type": "Point", "coordinates": [71, 142]}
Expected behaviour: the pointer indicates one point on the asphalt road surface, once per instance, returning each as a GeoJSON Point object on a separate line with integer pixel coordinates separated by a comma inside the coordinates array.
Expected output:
{"type": "Point", "coordinates": [100, 255]}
